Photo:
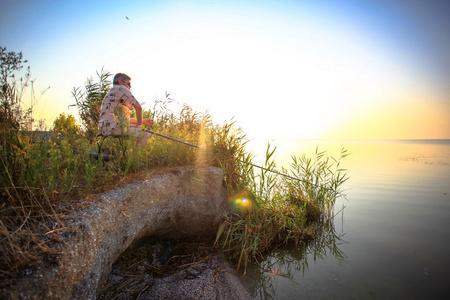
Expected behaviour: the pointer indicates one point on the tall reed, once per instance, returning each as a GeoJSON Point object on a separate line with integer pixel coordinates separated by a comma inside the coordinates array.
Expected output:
{"type": "Point", "coordinates": [273, 210]}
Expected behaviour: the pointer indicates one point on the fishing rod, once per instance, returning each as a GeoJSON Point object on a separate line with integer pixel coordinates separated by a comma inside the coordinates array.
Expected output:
{"type": "Point", "coordinates": [170, 138]}
{"type": "Point", "coordinates": [197, 146]}
{"type": "Point", "coordinates": [252, 164]}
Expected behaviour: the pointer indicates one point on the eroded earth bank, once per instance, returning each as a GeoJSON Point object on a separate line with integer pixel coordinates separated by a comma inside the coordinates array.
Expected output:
{"type": "Point", "coordinates": [163, 221]}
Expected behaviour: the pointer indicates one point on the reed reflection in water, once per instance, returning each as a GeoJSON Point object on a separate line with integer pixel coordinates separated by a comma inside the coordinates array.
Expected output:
{"type": "Point", "coordinates": [285, 263]}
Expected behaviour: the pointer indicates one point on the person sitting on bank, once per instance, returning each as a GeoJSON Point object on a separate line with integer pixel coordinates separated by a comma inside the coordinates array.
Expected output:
{"type": "Point", "coordinates": [115, 111]}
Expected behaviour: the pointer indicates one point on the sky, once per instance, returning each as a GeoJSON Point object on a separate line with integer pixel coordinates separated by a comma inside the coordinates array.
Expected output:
{"type": "Point", "coordinates": [280, 69]}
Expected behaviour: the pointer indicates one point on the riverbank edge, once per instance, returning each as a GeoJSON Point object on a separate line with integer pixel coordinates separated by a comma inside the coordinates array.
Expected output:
{"type": "Point", "coordinates": [181, 202]}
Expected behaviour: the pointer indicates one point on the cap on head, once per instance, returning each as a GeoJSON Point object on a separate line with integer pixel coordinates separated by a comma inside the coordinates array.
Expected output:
{"type": "Point", "coordinates": [120, 76]}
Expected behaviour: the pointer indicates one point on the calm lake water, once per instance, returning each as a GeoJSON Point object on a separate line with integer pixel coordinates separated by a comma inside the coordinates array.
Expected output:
{"type": "Point", "coordinates": [395, 233]}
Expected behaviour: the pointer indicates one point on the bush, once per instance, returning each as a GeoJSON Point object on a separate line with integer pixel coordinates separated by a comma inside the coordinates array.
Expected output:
{"type": "Point", "coordinates": [12, 117]}
{"type": "Point", "coordinates": [66, 126]}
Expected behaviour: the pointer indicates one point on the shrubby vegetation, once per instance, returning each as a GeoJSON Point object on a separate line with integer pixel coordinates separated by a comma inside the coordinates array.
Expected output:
{"type": "Point", "coordinates": [273, 210]}
{"type": "Point", "coordinates": [88, 101]}
{"type": "Point", "coordinates": [44, 177]}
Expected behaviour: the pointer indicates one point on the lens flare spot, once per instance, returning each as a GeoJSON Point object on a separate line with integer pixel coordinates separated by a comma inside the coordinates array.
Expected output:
{"type": "Point", "coordinates": [241, 201]}
{"type": "Point", "coordinates": [245, 203]}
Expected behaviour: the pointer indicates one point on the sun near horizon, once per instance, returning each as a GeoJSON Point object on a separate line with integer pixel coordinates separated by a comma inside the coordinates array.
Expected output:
{"type": "Point", "coordinates": [313, 69]}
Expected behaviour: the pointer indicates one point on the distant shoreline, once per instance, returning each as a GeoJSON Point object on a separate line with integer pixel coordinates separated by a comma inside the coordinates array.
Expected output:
{"type": "Point", "coordinates": [402, 141]}
{"type": "Point", "coordinates": [405, 141]}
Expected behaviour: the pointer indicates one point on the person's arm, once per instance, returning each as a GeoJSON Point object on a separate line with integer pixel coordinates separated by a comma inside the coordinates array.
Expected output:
{"type": "Point", "coordinates": [131, 102]}
{"type": "Point", "coordinates": [138, 109]}
{"type": "Point", "coordinates": [147, 122]}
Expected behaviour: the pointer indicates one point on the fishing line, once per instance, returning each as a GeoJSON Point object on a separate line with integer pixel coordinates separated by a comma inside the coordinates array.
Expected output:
{"type": "Point", "coordinates": [253, 165]}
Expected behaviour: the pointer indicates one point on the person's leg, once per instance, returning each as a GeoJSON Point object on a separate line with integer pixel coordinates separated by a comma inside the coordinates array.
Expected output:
{"type": "Point", "coordinates": [117, 132]}
{"type": "Point", "coordinates": [141, 136]}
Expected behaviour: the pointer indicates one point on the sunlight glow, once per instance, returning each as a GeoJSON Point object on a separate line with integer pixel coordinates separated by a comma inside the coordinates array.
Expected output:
{"type": "Point", "coordinates": [299, 75]}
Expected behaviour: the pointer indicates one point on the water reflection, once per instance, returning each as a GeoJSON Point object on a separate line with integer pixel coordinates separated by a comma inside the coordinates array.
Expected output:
{"type": "Point", "coordinates": [285, 262]}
